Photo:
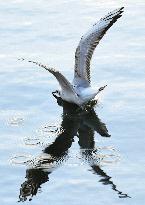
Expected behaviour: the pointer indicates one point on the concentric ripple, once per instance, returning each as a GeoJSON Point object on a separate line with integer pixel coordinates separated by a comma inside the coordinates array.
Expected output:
{"type": "Point", "coordinates": [21, 159]}
{"type": "Point", "coordinates": [15, 121]}
{"type": "Point", "coordinates": [101, 155]}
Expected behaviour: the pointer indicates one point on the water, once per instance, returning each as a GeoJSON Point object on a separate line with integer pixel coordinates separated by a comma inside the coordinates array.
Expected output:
{"type": "Point", "coordinates": [55, 155]}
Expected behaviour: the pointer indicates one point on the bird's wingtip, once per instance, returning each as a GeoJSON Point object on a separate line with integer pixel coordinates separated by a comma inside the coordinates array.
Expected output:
{"type": "Point", "coordinates": [121, 9]}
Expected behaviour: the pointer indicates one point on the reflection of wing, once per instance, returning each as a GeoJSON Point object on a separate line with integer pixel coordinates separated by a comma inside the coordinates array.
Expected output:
{"type": "Point", "coordinates": [106, 180]}
{"type": "Point", "coordinates": [87, 145]}
{"type": "Point", "coordinates": [59, 148]}
{"type": "Point", "coordinates": [86, 137]}
{"type": "Point", "coordinates": [92, 121]}
{"type": "Point", "coordinates": [88, 44]}
{"type": "Point", "coordinates": [34, 179]}
{"type": "Point", "coordinates": [57, 152]}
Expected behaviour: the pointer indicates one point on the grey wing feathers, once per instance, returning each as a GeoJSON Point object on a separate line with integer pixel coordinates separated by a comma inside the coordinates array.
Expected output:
{"type": "Point", "coordinates": [63, 82]}
{"type": "Point", "coordinates": [88, 44]}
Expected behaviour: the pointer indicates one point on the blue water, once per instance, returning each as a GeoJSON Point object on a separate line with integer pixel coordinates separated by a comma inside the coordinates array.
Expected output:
{"type": "Point", "coordinates": [51, 154]}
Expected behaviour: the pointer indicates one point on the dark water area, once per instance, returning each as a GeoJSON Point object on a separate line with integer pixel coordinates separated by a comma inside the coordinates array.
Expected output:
{"type": "Point", "coordinates": [52, 152]}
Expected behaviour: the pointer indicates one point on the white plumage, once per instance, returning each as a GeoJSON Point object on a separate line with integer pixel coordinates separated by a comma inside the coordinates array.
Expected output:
{"type": "Point", "coordinates": [80, 91]}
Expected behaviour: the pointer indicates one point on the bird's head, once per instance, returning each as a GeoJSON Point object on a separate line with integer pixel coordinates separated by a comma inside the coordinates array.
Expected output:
{"type": "Point", "coordinates": [56, 94]}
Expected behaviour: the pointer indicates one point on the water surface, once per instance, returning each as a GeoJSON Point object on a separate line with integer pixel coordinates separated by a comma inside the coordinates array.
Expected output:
{"type": "Point", "coordinates": [58, 155]}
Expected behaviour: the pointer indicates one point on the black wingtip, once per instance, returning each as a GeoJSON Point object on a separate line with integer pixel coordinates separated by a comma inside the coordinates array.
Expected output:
{"type": "Point", "coordinates": [122, 9]}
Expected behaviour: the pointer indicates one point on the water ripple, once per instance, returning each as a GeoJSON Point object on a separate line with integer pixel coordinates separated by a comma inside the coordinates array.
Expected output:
{"type": "Point", "coordinates": [21, 159]}
{"type": "Point", "coordinates": [45, 135]}
{"type": "Point", "coordinates": [101, 155]}
{"type": "Point", "coordinates": [37, 141]}
{"type": "Point", "coordinates": [15, 121]}
{"type": "Point", "coordinates": [49, 129]}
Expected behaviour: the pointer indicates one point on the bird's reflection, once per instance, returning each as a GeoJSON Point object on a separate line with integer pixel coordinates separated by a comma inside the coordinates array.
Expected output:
{"type": "Point", "coordinates": [75, 122]}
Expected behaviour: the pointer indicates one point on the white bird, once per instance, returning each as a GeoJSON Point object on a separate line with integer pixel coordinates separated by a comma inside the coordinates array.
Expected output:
{"type": "Point", "coordinates": [80, 91]}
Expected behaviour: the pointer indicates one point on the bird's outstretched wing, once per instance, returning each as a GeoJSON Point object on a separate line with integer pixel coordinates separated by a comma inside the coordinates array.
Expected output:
{"type": "Point", "coordinates": [63, 82]}
{"type": "Point", "coordinates": [88, 44]}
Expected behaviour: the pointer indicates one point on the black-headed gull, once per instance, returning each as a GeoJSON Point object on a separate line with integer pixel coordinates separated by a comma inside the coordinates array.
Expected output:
{"type": "Point", "coordinates": [80, 91]}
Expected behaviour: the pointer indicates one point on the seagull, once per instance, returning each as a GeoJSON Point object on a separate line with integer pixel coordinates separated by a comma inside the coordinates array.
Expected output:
{"type": "Point", "coordinates": [80, 91]}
